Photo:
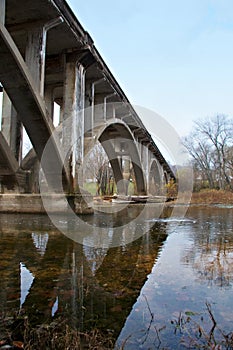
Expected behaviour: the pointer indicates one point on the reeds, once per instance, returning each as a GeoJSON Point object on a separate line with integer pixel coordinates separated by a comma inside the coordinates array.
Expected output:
{"type": "Point", "coordinates": [57, 335]}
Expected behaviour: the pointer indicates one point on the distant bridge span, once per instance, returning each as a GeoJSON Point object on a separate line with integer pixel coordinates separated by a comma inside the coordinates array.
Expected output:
{"type": "Point", "coordinates": [46, 56]}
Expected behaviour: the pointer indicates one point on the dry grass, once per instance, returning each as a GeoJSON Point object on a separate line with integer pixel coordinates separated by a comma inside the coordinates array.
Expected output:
{"type": "Point", "coordinates": [212, 197]}
{"type": "Point", "coordinates": [207, 197]}
{"type": "Point", "coordinates": [193, 333]}
{"type": "Point", "coordinates": [54, 336]}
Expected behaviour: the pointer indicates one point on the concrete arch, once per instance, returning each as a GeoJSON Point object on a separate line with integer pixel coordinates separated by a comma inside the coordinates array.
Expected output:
{"type": "Point", "coordinates": [155, 185]}
{"type": "Point", "coordinates": [117, 132]}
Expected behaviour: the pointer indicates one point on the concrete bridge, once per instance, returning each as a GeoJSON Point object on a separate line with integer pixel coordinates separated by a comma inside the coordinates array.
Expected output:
{"type": "Point", "coordinates": [47, 57]}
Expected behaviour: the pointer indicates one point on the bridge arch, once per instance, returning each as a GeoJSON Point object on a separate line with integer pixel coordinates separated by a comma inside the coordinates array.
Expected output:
{"type": "Point", "coordinates": [117, 141]}
{"type": "Point", "coordinates": [156, 180]}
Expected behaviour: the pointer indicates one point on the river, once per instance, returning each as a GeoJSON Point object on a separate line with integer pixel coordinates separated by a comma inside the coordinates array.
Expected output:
{"type": "Point", "coordinates": [158, 289]}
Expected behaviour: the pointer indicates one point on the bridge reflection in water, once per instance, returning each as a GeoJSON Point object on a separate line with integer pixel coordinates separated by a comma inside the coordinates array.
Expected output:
{"type": "Point", "coordinates": [47, 275]}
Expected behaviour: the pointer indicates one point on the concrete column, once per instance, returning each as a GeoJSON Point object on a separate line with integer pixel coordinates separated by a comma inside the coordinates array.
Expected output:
{"type": "Point", "coordinates": [6, 117]}
{"type": "Point", "coordinates": [35, 60]}
{"type": "Point", "coordinates": [88, 114]}
{"type": "Point", "coordinates": [49, 100]}
{"type": "Point", "coordinates": [17, 136]}
{"type": "Point", "coordinates": [73, 117]}
{"type": "Point", "coordinates": [97, 111]}
{"type": "Point", "coordinates": [106, 106]}
{"type": "Point", "coordinates": [164, 181]}
{"type": "Point", "coordinates": [145, 162]}
{"type": "Point", "coordinates": [35, 56]}
{"type": "Point", "coordinates": [126, 163]}
{"type": "Point", "coordinates": [139, 147]}
{"type": "Point", "coordinates": [2, 11]}
{"type": "Point", "coordinates": [36, 52]}
{"type": "Point", "coordinates": [147, 170]}
{"type": "Point", "coordinates": [113, 111]}
{"type": "Point", "coordinates": [11, 127]}
{"type": "Point", "coordinates": [61, 113]}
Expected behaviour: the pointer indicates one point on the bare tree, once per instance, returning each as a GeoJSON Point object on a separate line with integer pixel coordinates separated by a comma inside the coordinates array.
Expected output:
{"type": "Point", "coordinates": [201, 157]}
{"type": "Point", "coordinates": [98, 169]}
{"type": "Point", "coordinates": [218, 132]}
{"type": "Point", "coordinates": [94, 161]}
{"type": "Point", "coordinates": [209, 145]}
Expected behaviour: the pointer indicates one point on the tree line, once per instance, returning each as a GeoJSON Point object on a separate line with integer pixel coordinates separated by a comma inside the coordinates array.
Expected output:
{"type": "Point", "coordinates": [210, 145]}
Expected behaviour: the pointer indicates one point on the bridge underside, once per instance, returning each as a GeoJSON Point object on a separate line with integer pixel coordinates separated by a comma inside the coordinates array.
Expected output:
{"type": "Point", "coordinates": [118, 142]}
{"type": "Point", "coordinates": [38, 71]}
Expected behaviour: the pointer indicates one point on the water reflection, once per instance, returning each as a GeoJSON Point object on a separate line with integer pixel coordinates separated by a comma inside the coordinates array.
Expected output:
{"type": "Point", "coordinates": [26, 279]}
{"type": "Point", "coordinates": [40, 241]}
{"type": "Point", "coordinates": [47, 275]}
{"type": "Point", "coordinates": [195, 267]}
{"type": "Point", "coordinates": [108, 229]}
{"type": "Point", "coordinates": [178, 265]}
{"type": "Point", "coordinates": [211, 253]}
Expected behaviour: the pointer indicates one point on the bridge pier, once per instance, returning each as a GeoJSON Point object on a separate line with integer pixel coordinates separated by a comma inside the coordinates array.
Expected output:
{"type": "Point", "coordinates": [73, 120]}
{"type": "Point", "coordinates": [145, 163]}
{"type": "Point", "coordinates": [35, 55]}
{"type": "Point", "coordinates": [2, 11]}
{"type": "Point", "coordinates": [35, 60]}
{"type": "Point", "coordinates": [11, 127]}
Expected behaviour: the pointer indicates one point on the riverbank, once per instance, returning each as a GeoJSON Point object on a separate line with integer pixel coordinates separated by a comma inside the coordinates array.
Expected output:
{"type": "Point", "coordinates": [203, 198]}
{"type": "Point", "coordinates": [212, 197]}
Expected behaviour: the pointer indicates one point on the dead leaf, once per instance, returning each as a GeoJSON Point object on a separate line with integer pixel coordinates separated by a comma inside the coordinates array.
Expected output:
{"type": "Point", "coordinates": [18, 344]}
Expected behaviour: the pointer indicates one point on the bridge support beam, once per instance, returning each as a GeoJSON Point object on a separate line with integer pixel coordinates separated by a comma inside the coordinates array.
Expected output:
{"type": "Point", "coordinates": [36, 52]}
{"type": "Point", "coordinates": [35, 56]}
{"type": "Point", "coordinates": [73, 120]}
{"type": "Point", "coordinates": [2, 11]}
{"type": "Point", "coordinates": [35, 60]}
{"type": "Point", "coordinates": [145, 163]}
{"type": "Point", "coordinates": [11, 127]}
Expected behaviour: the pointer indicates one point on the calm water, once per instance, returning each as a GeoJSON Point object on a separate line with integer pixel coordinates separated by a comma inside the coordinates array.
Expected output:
{"type": "Point", "coordinates": [140, 292]}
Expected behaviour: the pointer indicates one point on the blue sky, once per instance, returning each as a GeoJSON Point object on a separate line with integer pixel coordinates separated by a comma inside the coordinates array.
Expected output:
{"type": "Point", "coordinates": [174, 57]}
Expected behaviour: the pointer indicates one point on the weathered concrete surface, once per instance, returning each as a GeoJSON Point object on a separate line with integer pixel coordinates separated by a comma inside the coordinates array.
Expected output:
{"type": "Point", "coordinates": [47, 57]}
{"type": "Point", "coordinates": [18, 83]}
{"type": "Point", "coordinates": [10, 174]}
{"type": "Point", "coordinates": [32, 203]}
